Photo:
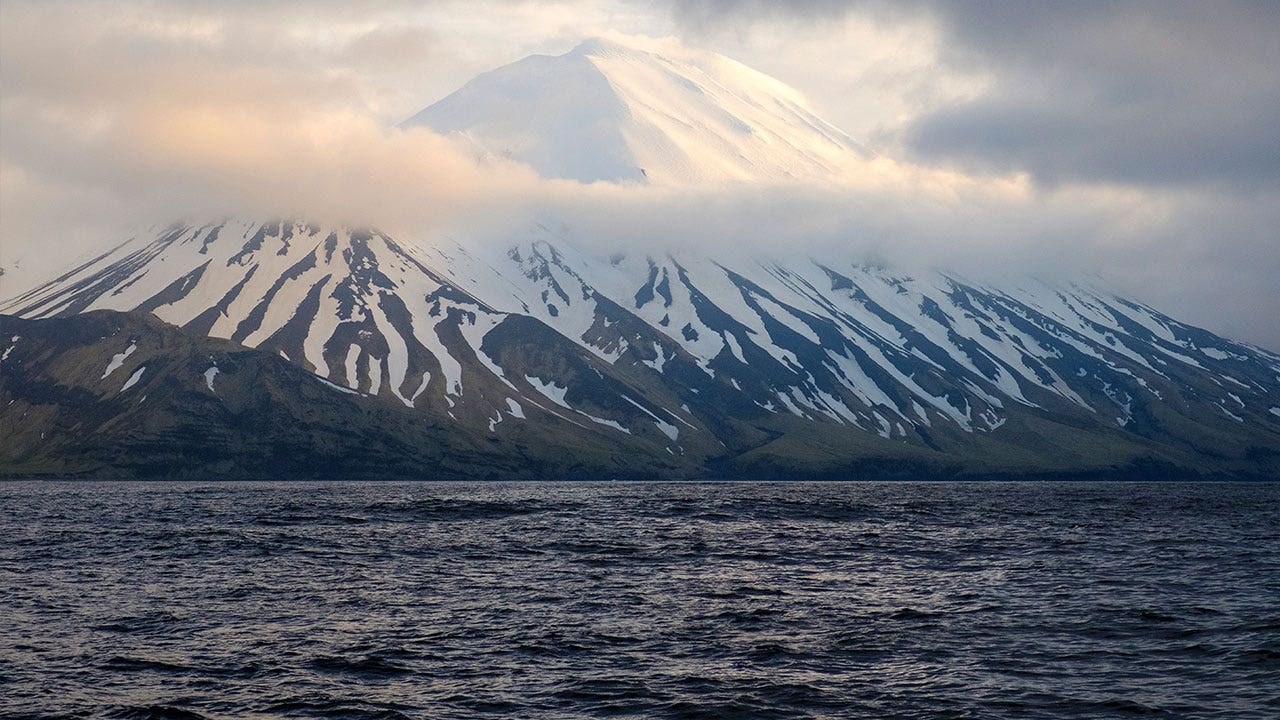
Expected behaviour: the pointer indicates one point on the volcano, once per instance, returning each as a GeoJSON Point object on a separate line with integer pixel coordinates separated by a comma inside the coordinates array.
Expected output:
{"type": "Point", "coordinates": [259, 349]}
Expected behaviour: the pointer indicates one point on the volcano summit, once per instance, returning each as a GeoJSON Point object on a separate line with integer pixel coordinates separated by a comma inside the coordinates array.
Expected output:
{"type": "Point", "coordinates": [643, 111]}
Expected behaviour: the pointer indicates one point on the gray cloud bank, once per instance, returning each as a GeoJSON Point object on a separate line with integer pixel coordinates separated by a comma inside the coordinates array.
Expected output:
{"type": "Point", "coordinates": [1149, 92]}
{"type": "Point", "coordinates": [1168, 93]}
{"type": "Point", "coordinates": [1113, 139]}
{"type": "Point", "coordinates": [1178, 101]}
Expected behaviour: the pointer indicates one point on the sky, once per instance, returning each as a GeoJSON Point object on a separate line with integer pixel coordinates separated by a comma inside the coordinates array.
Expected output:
{"type": "Point", "coordinates": [1137, 143]}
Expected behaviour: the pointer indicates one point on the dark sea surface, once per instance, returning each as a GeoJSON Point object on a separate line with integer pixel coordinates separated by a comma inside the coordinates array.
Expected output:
{"type": "Point", "coordinates": [366, 600]}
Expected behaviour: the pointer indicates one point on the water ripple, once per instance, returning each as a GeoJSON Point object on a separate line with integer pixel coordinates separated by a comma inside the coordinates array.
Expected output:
{"type": "Point", "coordinates": [402, 600]}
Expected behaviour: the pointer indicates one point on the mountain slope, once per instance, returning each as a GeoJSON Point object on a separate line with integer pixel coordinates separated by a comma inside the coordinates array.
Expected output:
{"type": "Point", "coordinates": [704, 365]}
{"type": "Point", "coordinates": [108, 394]}
{"type": "Point", "coordinates": [642, 110]}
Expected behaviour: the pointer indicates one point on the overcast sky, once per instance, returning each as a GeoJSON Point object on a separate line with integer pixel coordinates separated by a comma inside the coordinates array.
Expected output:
{"type": "Point", "coordinates": [1136, 140]}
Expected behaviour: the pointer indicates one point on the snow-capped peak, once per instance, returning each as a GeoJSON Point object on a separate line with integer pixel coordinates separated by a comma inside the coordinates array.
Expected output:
{"type": "Point", "coordinates": [644, 110]}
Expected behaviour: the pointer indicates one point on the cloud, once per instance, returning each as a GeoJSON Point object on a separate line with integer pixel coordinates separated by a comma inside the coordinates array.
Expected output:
{"type": "Point", "coordinates": [146, 114]}
{"type": "Point", "coordinates": [1120, 92]}
{"type": "Point", "coordinates": [1168, 93]}
{"type": "Point", "coordinates": [158, 110]}
{"type": "Point", "coordinates": [1174, 105]}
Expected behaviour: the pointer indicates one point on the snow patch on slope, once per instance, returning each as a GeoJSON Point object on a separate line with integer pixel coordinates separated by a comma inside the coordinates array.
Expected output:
{"type": "Point", "coordinates": [14, 343]}
{"type": "Point", "coordinates": [118, 359]}
{"type": "Point", "coordinates": [133, 379]}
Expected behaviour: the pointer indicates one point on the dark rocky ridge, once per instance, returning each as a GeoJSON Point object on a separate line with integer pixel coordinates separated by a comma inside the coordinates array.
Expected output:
{"type": "Point", "coordinates": [268, 418]}
{"type": "Point", "coordinates": [265, 417]}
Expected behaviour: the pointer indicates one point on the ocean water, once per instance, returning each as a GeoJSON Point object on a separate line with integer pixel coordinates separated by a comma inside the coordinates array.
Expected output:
{"type": "Point", "coordinates": [366, 600]}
